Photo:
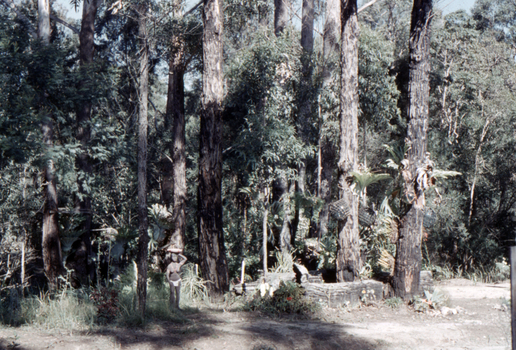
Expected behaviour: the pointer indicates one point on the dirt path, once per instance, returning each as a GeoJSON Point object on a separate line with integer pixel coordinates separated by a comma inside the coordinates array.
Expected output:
{"type": "Point", "coordinates": [483, 322]}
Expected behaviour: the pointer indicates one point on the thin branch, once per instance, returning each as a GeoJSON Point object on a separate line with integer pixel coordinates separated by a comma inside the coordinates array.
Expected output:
{"type": "Point", "coordinates": [193, 9]}
{"type": "Point", "coordinates": [291, 8]}
{"type": "Point", "coordinates": [66, 24]}
{"type": "Point", "coordinates": [12, 6]}
{"type": "Point", "coordinates": [366, 6]}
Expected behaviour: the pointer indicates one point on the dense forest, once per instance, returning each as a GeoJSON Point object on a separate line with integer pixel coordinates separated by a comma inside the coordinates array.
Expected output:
{"type": "Point", "coordinates": [358, 139]}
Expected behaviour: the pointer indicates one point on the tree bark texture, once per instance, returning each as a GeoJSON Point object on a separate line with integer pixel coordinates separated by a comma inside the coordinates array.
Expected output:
{"type": "Point", "coordinates": [51, 244]}
{"type": "Point", "coordinates": [281, 195]}
{"type": "Point", "coordinates": [211, 236]}
{"type": "Point", "coordinates": [280, 188]}
{"type": "Point", "coordinates": [79, 260]}
{"type": "Point", "coordinates": [327, 155]}
{"type": "Point", "coordinates": [174, 184]}
{"type": "Point", "coordinates": [281, 17]}
{"type": "Point", "coordinates": [263, 14]}
{"type": "Point", "coordinates": [348, 245]}
{"type": "Point", "coordinates": [307, 26]}
{"type": "Point", "coordinates": [331, 47]}
{"type": "Point", "coordinates": [331, 35]}
{"type": "Point", "coordinates": [44, 21]}
{"type": "Point", "coordinates": [142, 159]}
{"type": "Point", "coordinates": [408, 248]}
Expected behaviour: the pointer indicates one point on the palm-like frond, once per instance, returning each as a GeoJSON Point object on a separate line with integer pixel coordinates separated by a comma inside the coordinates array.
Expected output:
{"type": "Point", "coordinates": [397, 153]}
{"type": "Point", "coordinates": [444, 174]}
{"type": "Point", "coordinates": [364, 179]}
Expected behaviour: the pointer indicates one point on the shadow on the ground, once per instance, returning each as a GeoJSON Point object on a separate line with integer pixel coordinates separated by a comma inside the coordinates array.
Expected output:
{"type": "Point", "coordinates": [217, 329]}
{"type": "Point", "coordinates": [6, 344]}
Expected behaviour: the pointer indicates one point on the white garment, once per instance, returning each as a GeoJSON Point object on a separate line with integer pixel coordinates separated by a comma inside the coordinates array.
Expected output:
{"type": "Point", "coordinates": [176, 283]}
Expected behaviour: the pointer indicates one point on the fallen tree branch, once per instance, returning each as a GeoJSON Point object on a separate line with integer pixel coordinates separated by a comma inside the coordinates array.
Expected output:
{"type": "Point", "coordinates": [66, 24]}
{"type": "Point", "coordinates": [366, 6]}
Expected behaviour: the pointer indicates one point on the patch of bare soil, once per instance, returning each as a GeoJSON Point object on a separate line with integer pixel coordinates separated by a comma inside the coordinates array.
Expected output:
{"type": "Point", "coordinates": [478, 318]}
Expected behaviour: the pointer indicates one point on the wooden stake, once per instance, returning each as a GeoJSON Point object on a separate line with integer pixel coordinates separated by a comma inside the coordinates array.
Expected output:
{"type": "Point", "coordinates": [513, 294]}
{"type": "Point", "coordinates": [264, 242]}
{"type": "Point", "coordinates": [22, 274]}
{"type": "Point", "coordinates": [242, 276]}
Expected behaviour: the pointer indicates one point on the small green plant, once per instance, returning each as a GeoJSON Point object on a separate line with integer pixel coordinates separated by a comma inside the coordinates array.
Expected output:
{"type": "Point", "coordinates": [435, 301]}
{"type": "Point", "coordinates": [284, 261]}
{"type": "Point", "coordinates": [394, 303]}
{"type": "Point", "coordinates": [287, 299]}
{"type": "Point", "coordinates": [368, 297]}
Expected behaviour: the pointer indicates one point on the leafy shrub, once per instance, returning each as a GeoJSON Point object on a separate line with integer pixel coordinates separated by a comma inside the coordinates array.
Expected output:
{"type": "Point", "coordinates": [502, 271]}
{"type": "Point", "coordinates": [287, 299]}
{"type": "Point", "coordinates": [440, 273]}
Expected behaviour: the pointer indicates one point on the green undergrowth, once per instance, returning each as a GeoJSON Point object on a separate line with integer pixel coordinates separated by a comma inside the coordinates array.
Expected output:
{"type": "Point", "coordinates": [69, 309]}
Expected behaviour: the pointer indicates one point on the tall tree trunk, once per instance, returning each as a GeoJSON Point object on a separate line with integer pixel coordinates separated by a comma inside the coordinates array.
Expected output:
{"type": "Point", "coordinates": [478, 154]}
{"type": "Point", "coordinates": [348, 245]}
{"type": "Point", "coordinates": [211, 236]}
{"type": "Point", "coordinates": [175, 179]}
{"type": "Point", "coordinates": [265, 227]}
{"type": "Point", "coordinates": [83, 200]}
{"type": "Point", "coordinates": [327, 150]}
{"type": "Point", "coordinates": [44, 21]}
{"type": "Point", "coordinates": [51, 244]}
{"type": "Point", "coordinates": [305, 101]}
{"type": "Point", "coordinates": [281, 195]}
{"type": "Point", "coordinates": [142, 159]}
{"type": "Point", "coordinates": [307, 27]}
{"type": "Point", "coordinates": [280, 186]}
{"type": "Point", "coordinates": [408, 248]}
{"type": "Point", "coordinates": [281, 17]}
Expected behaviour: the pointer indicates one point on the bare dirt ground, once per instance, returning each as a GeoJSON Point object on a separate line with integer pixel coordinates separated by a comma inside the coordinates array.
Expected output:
{"type": "Point", "coordinates": [482, 322]}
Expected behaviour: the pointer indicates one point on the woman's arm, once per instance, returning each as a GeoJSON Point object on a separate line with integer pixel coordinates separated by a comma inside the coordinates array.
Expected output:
{"type": "Point", "coordinates": [183, 259]}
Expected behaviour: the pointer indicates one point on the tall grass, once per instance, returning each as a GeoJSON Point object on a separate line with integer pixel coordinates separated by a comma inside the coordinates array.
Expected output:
{"type": "Point", "coordinates": [79, 309]}
{"type": "Point", "coordinates": [193, 287]}
{"type": "Point", "coordinates": [500, 271]}
{"type": "Point", "coordinates": [68, 310]}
